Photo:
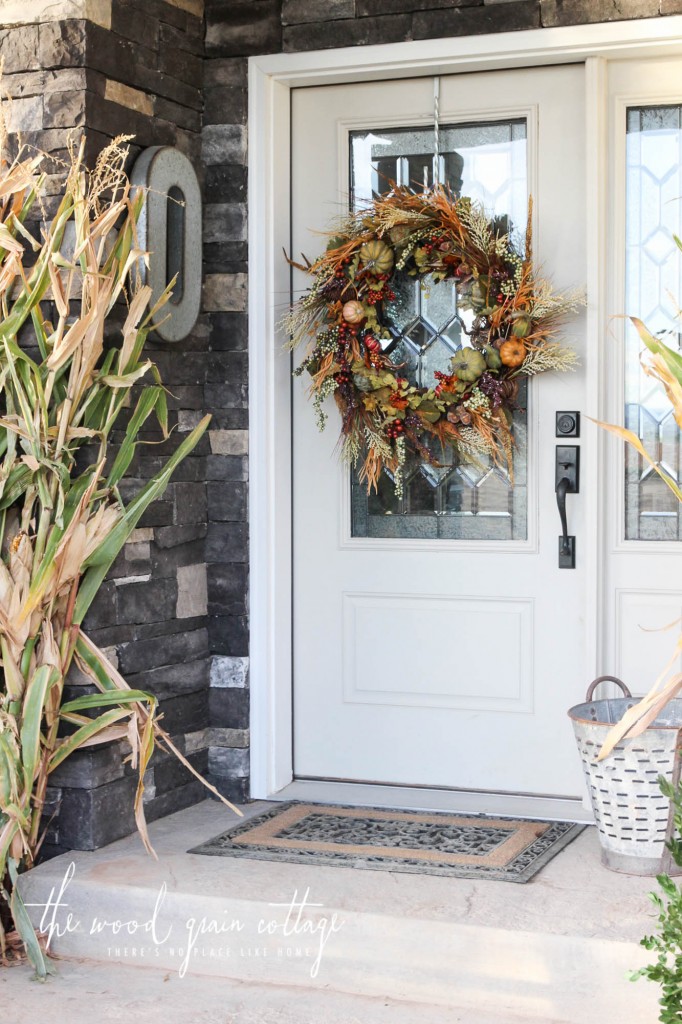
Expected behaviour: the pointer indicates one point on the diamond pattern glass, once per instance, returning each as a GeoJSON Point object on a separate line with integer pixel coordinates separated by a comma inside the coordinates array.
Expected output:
{"type": "Point", "coordinates": [653, 287]}
{"type": "Point", "coordinates": [486, 161]}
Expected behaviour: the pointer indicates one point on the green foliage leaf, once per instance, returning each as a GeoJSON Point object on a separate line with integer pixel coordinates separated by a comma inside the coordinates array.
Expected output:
{"type": "Point", "coordinates": [103, 557]}
{"type": "Point", "coordinates": [147, 403]}
{"type": "Point", "coordinates": [86, 732]}
{"type": "Point", "coordinates": [667, 942]}
{"type": "Point", "coordinates": [12, 488]}
{"type": "Point", "coordinates": [667, 885]}
{"type": "Point", "coordinates": [101, 700]}
{"type": "Point", "coordinates": [31, 721]}
{"type": "Point", "coordinates": [41, 962]}
{"type": "Point", "coordinates": [672, 358]}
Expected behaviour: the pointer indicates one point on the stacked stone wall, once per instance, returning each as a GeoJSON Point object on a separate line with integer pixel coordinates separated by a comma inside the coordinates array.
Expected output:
{"type": "Point", "coordinates": [136, 67]}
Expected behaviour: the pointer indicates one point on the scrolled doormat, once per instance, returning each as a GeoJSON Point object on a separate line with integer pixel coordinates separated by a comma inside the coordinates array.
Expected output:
{"type": "Point", "coordinates": [504, 849]}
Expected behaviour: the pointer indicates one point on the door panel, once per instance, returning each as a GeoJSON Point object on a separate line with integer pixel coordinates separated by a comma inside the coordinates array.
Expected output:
{"type": "Point", "coordinates": [643, 554]}
{"type": "Point", "coordinates": [440, 658]}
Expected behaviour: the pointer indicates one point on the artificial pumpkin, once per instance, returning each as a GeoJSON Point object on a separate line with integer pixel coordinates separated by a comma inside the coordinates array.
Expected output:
{"type": "Point", "coordinates": [522, 325]}
{"type": "Point", "coordinates": [400, 233]}
{"type": "Point", "coordinates": [468, 364]}
{"type": "Point", "coordinates": [492, 357]}
{"type": "Point", "coordinates": [353, 312]}
{"type": "Point", "coordinates": [479, 293]}
{"type": "Point", "coordinates": [376, 257]}
{"type": "Point", "coordinates": [512, 352]}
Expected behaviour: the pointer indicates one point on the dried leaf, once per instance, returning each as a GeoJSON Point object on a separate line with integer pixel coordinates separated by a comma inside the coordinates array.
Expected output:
{"type": "Point", "coordinates": [638, 718]}
{"type": "Point", "coordinates": [627, 435]}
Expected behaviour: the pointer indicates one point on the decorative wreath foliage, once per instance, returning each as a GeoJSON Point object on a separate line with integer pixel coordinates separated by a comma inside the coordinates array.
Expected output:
{"type": "Point", "coordinates": [344, 319]}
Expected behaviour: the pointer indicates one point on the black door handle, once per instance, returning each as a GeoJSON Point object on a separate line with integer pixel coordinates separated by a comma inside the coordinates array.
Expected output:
{"type": "Point", "coordinates": [561, 492]}
{"type": "Point", "coordinates": [567, 477]}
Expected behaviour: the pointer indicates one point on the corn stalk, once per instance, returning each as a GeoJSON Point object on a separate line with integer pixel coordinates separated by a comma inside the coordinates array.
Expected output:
{"type": "Point", "coordinates": [63, 390]}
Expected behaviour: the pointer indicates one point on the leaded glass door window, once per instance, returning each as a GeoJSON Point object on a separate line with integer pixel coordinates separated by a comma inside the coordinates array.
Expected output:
{"type": "Point", "coordinates": [653, 292]}
{"type": "Point", "coordinates": [445, 498]}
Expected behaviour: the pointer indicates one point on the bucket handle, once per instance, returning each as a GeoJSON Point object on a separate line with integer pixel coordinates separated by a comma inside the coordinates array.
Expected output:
{"type": "Point", "coordinates": [604, 679]}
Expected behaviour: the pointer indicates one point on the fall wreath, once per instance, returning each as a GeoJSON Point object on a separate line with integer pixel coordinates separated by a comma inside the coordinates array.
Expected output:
{"type": "Point", "coordinates": [345, 318]}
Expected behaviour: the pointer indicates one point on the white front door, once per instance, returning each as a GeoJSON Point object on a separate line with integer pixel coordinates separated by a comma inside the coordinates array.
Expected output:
{"type": "Point", "coordinates": [437, 644]}
{"type": "Point", "coordinates": [436, 641]}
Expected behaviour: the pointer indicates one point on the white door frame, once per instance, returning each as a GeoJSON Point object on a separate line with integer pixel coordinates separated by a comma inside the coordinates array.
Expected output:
{"type": "Point", "coordinates": [271, 79]}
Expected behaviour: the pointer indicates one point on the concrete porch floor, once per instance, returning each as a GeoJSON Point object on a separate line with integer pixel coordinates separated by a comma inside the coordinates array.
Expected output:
{"type": "Point", "coordinates": [418, 948]}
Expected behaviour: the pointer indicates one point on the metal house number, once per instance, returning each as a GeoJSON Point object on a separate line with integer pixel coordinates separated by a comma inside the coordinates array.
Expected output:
{"type": "Point", "coordinates": [169, 229]}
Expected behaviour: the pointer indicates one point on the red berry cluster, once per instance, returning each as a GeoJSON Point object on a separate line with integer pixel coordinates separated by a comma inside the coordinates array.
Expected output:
{"type": "Point", "coordinates": [433, 243]}
{"type": "Point", "coordinates": [395, 430]}
{"type": "Point", "coordinates": [374, 296]}
{"type": "Point", "coordinates": [346, 332]}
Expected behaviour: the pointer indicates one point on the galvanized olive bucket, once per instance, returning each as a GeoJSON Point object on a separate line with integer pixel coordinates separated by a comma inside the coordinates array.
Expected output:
{"type": "Point", "coordinates": [633, 817]}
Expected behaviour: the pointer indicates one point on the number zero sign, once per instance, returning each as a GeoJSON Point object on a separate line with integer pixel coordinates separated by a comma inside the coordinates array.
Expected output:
{"type": "Point", "coordinates": [169, 229]}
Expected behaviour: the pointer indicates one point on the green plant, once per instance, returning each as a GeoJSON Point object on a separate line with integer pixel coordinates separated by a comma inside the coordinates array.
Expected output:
{"type": "Point", "coordinates": [667, 943]}
{"type": "Point", "coordinates": [65, 386]}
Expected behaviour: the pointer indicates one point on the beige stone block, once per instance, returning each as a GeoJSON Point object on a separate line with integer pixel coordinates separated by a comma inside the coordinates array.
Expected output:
{"type": "Point", "coordinates": [192, 592]}
{"type": "Point", "coordinates": [111, 654]}
{"type": "Point", "coordinates": [126, 96]}
{"type": "Point", "coordinates": [124, 581]}
{"type": "Point", "coordinates": [196, 741]}
{"type": "Point", "coordinates": [229, 442]}
{"type": "Point", "coordinates": [25, 115]}
{"type": "Point", "coordinates": [225, 292]}
{"type": "Point", "coordinates": [98, 11]}
{"type": "Point", "coordinates": [143, 535]}
{"type": "Point", "coordinates": [19, 12]}
{"type": "Point", "coordinates": [195, 7]}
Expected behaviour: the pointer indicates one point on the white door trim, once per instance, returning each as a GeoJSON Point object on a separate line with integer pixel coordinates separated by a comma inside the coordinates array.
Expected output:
{"type": "Point", "coordinates": [271, 79]}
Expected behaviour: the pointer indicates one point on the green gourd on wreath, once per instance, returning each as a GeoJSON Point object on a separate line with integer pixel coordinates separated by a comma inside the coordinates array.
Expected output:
{"type": "Point", "coordinates": [492, 357]}
{"type": "Point", "coordinates": [376, 257]}
{"type": "Point", "coordinates": [468, 364]}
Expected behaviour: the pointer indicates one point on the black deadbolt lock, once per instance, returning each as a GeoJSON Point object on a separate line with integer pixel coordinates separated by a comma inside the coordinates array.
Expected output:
{"type": "Point", "coordinates": [568, 424]}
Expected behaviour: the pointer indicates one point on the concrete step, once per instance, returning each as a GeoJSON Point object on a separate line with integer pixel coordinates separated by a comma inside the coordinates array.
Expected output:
{"type": "Point", "coordinates": [114, 992]}
{"type": "Point", "coordinates": [555, 950]}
